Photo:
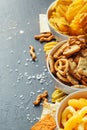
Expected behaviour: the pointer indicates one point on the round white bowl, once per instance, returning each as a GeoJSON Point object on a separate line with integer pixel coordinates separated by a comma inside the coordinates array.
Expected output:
{"type": "Point", "coordinates": [65, 88]}
{"type": "Point", "coordinates": [55, 32]}
{"type": "Point", "coordinates": [64, 103]}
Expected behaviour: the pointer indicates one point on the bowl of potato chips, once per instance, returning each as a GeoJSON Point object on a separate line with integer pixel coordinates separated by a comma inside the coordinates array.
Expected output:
{"type": "Point", "coordinates": [67, 18]}
{"type": "Point", "coordinates": [67, 64]}
{"type": "Point", "coordinates": [71, 114]}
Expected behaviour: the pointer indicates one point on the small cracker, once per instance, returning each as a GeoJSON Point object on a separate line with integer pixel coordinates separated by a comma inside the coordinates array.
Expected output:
{"type": "Point", "coordinates": [82, 66]}
{"type": "Point", "coordinates": [46, 123]}
{"type": "Point", "coordinates": [71, 50]}
{"type": "Point", "coordinates": [43, 23]}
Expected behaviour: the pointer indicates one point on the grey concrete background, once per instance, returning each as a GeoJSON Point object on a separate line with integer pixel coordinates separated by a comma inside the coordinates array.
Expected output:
{"type": "Point", "coordinates": [21, 80]}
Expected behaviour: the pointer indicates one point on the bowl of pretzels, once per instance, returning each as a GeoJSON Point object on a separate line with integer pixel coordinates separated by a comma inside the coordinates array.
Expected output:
{"type": "Point", "coordinates": [72, 112]}
{"type": "Point", "coordinates": [67, 64]}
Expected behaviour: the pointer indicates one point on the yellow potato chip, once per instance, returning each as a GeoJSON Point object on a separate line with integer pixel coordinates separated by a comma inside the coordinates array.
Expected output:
{"type": "Point", "coordinates": [69, 17]}
{"type": "Point", "coordinates": [73, 9]}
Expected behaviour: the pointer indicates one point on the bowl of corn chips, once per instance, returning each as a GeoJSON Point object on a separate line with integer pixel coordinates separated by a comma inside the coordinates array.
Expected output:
{"type": "Point", "coordinates": [72, 112]}
{"type": "Point", "coordinates": [67, 18]}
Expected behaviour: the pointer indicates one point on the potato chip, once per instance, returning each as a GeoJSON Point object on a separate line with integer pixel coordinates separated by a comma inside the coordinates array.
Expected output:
{"type": "Point", "coordinates": [69, 17]}
{"type": "Point", "coordinates": [73, 9]}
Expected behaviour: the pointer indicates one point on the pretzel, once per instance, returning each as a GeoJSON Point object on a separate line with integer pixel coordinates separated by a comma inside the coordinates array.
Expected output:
{"type": "Point", "coordinates": [84, 52]}
{"type": "Point", "coordinates": [46, 34]}
{"type": "Point", "coordinates": [60, 50]}
{"type": "Point", "coordinates": [45, 37]}
{"type": "Point", "coordinates": [79, 86]}
{"type": "Point", "coordinates": [64, 79]}
{"type": "Point", "coordinates": [61, 66]}
{"type": "Point", "coordinates": [84, 82]}
{"type": "Point", "coordinates": [72, 80]}
{"type": "Point", "coordinates": [32, 52]}
{"type": "Point", "coordinates": [40, 97]}
{"type": "Point", "coordinates": [51, 64]}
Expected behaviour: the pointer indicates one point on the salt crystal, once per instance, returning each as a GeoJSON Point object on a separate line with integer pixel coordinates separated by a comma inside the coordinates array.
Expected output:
{"type": "Point", "coordinates": [33, 77]}
{"type": "Point", "coordinates": [36, 65]}
{"type": "Point", "coordinates": [28, 115]}
{"type": "Point", "coordinates": [11, 51]}
{"type": "Point", "coordinates": [29, 77]}
{"type": "Point", "coordinates": [38, 76]}
{"type": "Point", "coordinates": [26, 64]}
{"type": "Point", "coordinates": [7, 66]}
{"type": "Point", "coordinates": [27, 108]}
{"type": "Point", "coordinates": [40, 49]}
{"type": "Point", "coordinates": [26, 74]}
{"type": "Point", "coordinates": [39, 91]}
{"type": "Point", "coordinates": [16, 70]}
{"type": "Point", "coordinates": [24, 51]}
{"type": "Point", "coordinates": [28, 118]}
{"type": "Point", "coordinates": [27, 59]}
{"type": "Point", "coordinates": [18, 61]}
{"type": "Point", "coordinates": [21, 96]}
{"type": "Point", "coordinates": [21, 31]}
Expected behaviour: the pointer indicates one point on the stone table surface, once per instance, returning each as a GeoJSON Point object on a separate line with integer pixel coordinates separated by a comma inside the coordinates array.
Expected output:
{"type": "Point", "coordinates": [21, 79]}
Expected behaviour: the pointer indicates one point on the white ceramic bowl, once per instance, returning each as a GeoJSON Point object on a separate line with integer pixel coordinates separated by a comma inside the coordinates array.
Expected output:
{"type": "Point", "coordinates": [55, 32]}
{"type": "Point", "coordinates": [64, 103]}
{"type": "Point", "coordinates": [65, 88]}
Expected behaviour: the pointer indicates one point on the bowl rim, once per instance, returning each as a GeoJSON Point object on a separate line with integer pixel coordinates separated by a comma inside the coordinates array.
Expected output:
{"type": "Point", "coordinates": [47, 14]}
{"type": "Point", "coordinates": [62, 85]}
{"type": "Point", "coordinates": [76, 95]}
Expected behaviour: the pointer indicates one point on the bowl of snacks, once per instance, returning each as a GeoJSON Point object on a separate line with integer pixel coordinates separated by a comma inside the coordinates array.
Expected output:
{"type": "Point", "coordinates": [72, 112]}
{"type": "Point", "coordinates": [67, 18]}
{"type": "Point", "coordinates": [67, 64]}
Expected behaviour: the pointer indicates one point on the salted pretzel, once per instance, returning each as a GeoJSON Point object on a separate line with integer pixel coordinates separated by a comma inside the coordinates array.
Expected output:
{"type": "Point", "coordinates": [61, 65]}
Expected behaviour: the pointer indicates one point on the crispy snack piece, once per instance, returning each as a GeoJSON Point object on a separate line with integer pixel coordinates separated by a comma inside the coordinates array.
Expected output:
{"type": "Point", "coordinates": [45, 37]}
{"type": "Point", "coordinates": [49, 45]}
{"type": "Point", "coordinates": [82, 66]}
{"type": "Point", "coordinates": [78, 103]}
{"type": "Point", "coordinates": [68, 112]}
{"type": "Point", "coordinates": [70, 61]}
{"type": "Point", "coordinates": [46, 123]}
{"type": "Point", "coordinates": [51, 64]}
{"type": "Point", "coordinates": [61, 66]}
{"type": "Point", "coordinates": [58, 95]}
{"type": "Point", "coordinates": [80, 86]}
{"type": "Point", "coordinates": [74, 116]}
{"type": "Point", "coordinates": [73, 9]}
{"type": "Point", "coordinates": [69, 17]}
{"type": "Point", "coordinates": [32, 52]}
{"type": "Point", "coordinates": [71, 79]}
{"type": "Point", "coordinates": [60, 50]}
{"type": "Point", "coordinates": [71, 50]}
{"type": "Point", "coordinates": [63, 79]}
{"type": "Point", "coordinates": [40, 97]}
